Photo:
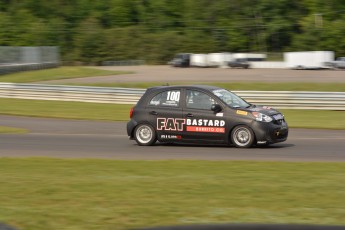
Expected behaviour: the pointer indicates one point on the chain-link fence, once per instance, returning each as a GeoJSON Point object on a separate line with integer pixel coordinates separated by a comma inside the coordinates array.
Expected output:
{"type": "Point", "coordinates": [14, 59]}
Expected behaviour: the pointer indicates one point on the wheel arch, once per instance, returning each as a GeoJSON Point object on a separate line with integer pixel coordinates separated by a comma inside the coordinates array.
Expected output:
{"type": "Point", "coordinates": [141, 123]}
{"type": "Point", "coordinates": [148, 124]}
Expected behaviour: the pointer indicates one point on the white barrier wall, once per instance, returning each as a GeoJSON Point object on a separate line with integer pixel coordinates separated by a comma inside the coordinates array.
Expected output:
{"type": "Point", "coordinates": [279, 99]}
{"type": "Point", "coordinates": [267, 65]}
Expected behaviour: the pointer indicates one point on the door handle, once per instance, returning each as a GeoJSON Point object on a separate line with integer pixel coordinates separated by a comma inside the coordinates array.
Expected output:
{"type": "Point", "coordinates": [190, 115]}
{"type": "Point", "coordinates": [153, 113]}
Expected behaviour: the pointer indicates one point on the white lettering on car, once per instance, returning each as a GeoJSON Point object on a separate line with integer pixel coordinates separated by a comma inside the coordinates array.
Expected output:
{"type": "Point", "coordinates": [205, 122]}
{"type": "Point", "coordinates": [189, 121]}
{"type": "Point", "coordinates": [172, 124]}
{"type": "Point", "coordinates": [171, 137]}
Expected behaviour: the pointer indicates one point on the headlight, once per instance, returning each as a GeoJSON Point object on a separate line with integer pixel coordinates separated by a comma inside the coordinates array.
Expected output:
{"type": "Point", "coordinates": [262, 117]}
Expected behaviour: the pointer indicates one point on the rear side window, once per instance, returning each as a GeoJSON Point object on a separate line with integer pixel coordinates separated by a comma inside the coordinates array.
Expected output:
{"type": "Point", "coordinates": [169, 98]}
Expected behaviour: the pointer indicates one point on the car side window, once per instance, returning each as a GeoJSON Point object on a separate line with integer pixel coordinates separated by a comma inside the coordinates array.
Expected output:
{"type": "Point", "coordinates": [169, 98]}
{"type": "Point", "coordinates": [198, 100]}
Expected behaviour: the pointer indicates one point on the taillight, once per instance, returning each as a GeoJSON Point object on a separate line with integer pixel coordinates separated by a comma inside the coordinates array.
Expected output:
{"type": "Point", "coordinates": [131, 112]}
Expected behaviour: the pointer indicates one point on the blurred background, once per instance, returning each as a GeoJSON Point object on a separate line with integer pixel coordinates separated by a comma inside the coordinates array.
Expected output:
{"type": "Point", "coordinates": [94, 31]}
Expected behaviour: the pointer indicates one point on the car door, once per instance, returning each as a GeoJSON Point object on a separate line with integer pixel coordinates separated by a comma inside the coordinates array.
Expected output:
{"type": "Point", "coordinates": [164, 112]}
{"type": "Point", "coordinates": [202, 124]}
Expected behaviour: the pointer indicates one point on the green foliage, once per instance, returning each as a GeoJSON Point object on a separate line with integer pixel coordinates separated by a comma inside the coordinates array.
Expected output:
{"type": "Point", "coordinates": [96, 31]}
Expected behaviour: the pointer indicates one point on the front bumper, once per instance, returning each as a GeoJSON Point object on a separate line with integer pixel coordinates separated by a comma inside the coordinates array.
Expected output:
{"type": "Point", "coordinates": [270, 132]}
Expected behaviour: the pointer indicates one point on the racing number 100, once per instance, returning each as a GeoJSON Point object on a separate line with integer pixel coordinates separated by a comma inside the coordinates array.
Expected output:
{"type": "Point", "coordinates": [173, 96]}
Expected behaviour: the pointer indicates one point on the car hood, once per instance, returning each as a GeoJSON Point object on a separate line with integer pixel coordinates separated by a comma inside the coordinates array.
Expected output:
{"type": "Point", "coordinates": [262, 109]}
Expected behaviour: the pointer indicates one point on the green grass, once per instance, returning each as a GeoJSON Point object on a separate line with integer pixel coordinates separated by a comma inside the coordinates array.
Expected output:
{"type": "Point", "coordinates": [260, 86]}
{"type": "Point", "coordinates": [315, 119]}
{"type": "Point", "coordinates": [63, 109]}
{"type": "Point", "coordinates": [114, 112]}
{"type": "Point", "coordinates": [57, 74]}
{"type": "Point", "coordinates": [54, 194]}
{"type": "Point", "coordinates": [5, 129]}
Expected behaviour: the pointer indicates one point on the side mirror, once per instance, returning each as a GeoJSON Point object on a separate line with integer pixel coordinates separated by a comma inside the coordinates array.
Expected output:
{"type": "Point", "coordinates": [216, 108]}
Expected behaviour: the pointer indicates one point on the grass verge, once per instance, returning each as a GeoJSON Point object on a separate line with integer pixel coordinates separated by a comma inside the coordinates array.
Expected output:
{"type": "Point", "coordinates": [260, 86]}
{"type": "Point", "coordinates": [57, 74]}
{"type": "Point", "coordinates": [311, 119]}
{"type": "Point", "coordinates": [64, 109]}
{"type": "Point", "coordinates": [114, 112]}
{"type": "Point", "coordinates": [5, 129]}
{"type": "Point", "coordinates": [39, 193]}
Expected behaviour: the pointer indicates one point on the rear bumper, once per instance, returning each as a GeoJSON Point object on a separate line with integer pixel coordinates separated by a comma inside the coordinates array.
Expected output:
{"type": "Point", "coordinates": [130, 128]}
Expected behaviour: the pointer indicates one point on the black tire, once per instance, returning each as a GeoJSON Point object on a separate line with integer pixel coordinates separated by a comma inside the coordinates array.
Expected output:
{"type": "Point", "coordinates": [145, 135]}
{"type": "Point", "coordinates": [242, 136]}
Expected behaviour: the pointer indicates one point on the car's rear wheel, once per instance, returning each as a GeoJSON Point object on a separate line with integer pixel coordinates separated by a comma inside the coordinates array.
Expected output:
{"type": "Point", "coordinates": [242, 136]}
{"type": "Point", "coordinates": [144, 134]}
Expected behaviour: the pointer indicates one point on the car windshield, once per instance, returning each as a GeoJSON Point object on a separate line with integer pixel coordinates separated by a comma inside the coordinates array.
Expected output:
{"type": "Point", "coordinates": [230, 99]}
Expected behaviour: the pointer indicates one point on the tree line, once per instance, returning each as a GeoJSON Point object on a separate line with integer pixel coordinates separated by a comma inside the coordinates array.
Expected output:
{"type": "Point", "coordinates": [92, 31]}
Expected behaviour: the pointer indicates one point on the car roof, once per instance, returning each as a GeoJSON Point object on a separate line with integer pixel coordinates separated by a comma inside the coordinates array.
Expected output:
{"type": "Point", "coordinates": [158, 89]}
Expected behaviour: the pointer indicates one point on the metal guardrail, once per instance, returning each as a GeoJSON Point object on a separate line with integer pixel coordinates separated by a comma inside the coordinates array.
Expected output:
{"type": "Point", "coordinates": [296, 99]}
{"type": "Point", "coordinates": [70, 93]}
{"type": "Point", "coordinates": [278, 99]}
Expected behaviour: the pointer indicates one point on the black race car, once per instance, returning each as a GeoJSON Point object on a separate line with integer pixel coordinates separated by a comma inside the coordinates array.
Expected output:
{"type": "Point", "coordinates": [203, 114]}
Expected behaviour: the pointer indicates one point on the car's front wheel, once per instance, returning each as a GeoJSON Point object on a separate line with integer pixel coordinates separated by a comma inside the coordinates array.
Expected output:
{"type": "Point", "coordinates": [242, 136]}
{"type": "Point", "coordinates": [144, 134]}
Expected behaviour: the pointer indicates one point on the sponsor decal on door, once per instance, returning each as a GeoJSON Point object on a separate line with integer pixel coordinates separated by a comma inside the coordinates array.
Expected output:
{"type": "Point", "coordinates": [192, 125]}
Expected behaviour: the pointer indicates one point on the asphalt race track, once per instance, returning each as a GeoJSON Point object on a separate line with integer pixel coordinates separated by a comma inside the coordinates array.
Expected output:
{"type": "Point", "coordinates": [167, 74]}
{"type": "Point", "coordinates": [108, 140]}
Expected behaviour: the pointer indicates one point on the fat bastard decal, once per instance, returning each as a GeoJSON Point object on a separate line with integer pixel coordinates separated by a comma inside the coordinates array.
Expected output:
{"type": "Point", "coordinates": [170, 124]}
{"type": "Point", "coordinates": [205, 125]}
{"type": "Point", "coordinates": [192, 125]}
